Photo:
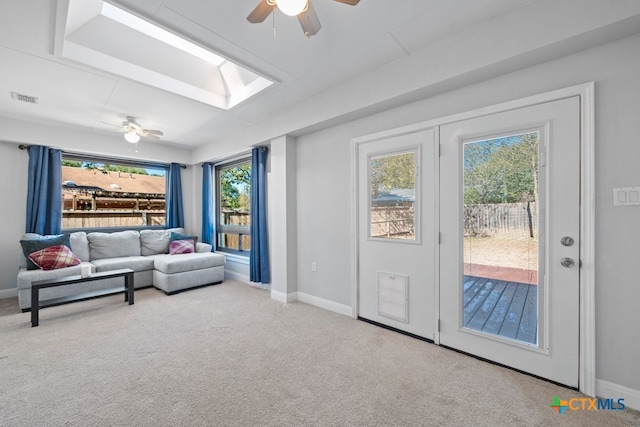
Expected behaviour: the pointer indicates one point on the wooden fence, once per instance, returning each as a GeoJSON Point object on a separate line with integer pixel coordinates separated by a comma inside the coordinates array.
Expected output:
{"type": "Point", "coordinates": [504, 218]}
{"type": "Point", "coordinates": [85, 209]}
{"type": "Point", "coordinates": [112, 219]}
{"type": "Point", "coordinates": [235, 240]}
{"type": "Point", "coordinates": [393, 221]}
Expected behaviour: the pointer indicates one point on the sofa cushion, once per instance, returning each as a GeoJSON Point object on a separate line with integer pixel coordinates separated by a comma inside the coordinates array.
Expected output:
{"type": "Point", "coordinates": [203, 247]}
{"type": "Point", "coordinates": [34, 242]}
{"type": "Point", "coordinates": [26, 277]}
{"type": "Point", "coordinates": [113, 245]}
{"type": "Point", "coordinates": [54, 257]}
{"type": "Point", "coordinates": [79, 245]}
{"type": "Point", "coordinates": [186, 246]}
{"type": "Point", "coordinates": [171, 264]}
{"type": "Point", "coordinates": [136, 263]}
{"type": "Point", "coordinates": [154, 242]}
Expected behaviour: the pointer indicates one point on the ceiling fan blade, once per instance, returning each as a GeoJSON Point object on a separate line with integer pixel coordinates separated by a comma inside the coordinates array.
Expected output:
{"type": "Point", "coordinates": [349, 2]}
{"type": "Point", "coordinates": [110, 124]}
{"type": "Point", "coordinates": [260, 13]}
{"type": "Point", "coordinates": [154, 132]}
{"type": "Point", "coordinates": [150, 136]}
{"type": "Point", "coordinates": [309, 21]}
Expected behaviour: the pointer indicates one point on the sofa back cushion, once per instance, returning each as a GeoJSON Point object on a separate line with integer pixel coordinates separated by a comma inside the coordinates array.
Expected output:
{"type": "Point", "coordinates": [113, 245]}
{"type": "Point", "coordinates": [80, 245]}
{"type": "Point", "coordinates": [153, 242]}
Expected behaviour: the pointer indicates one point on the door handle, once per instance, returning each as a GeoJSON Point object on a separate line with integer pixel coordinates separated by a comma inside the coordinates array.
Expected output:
{"type": "Point", "coordinates": [567, 241]}
{"type": "Point", "coordinates": [567, 262]}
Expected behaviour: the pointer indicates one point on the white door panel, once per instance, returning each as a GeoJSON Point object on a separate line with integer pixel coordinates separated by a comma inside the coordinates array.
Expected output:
{"type": "Point", "coordinates": [554, 352]}
{"type": "Point", "coordinates": [396, 229]}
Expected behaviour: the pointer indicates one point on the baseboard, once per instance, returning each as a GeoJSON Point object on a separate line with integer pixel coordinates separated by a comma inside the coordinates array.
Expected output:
{"type": "Point", "coordinates": [282, 297]}
{"type": "Point", "coordinates": [324, 303]}
{"type": "Point", "coordinates": [8, 293]}
{"type": "Point", "coordinates": [615, 391]}
{"type": "Point", "coordinates": [228, 274]}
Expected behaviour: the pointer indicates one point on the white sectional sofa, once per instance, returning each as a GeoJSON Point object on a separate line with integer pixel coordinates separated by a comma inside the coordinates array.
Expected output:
{"type": "Point", "coordinates": [146, 252]}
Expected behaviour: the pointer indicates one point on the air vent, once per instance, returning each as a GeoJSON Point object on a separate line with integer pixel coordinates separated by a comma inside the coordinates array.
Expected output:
{"type": "Point", "coordinates": [24, 98]}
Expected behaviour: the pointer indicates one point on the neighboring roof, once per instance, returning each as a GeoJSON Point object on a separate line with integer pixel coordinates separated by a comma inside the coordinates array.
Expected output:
{"type": "Point", "coordinates": [395, 195]}
{"type": "Point", "coordinates": [113, 181]}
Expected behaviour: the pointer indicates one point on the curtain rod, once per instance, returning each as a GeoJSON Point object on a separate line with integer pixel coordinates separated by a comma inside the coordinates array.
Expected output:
{"type": "Point", "coordinates": [111, 159]}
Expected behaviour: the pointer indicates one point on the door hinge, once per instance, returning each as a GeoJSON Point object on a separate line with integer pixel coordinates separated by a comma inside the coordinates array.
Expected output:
{"type": "Point", "coordinates": [439, 237]}
{"type": "Point", "coordinates": [438, 325]}
{"type": "Point", "coordinates": [439, 150]}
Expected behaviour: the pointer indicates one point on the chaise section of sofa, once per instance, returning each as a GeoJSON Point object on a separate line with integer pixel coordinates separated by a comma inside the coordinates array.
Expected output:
{"type": "Point", "coordinates": [145, 252]}
{"type": "Point", "coordinates": [174, 273]}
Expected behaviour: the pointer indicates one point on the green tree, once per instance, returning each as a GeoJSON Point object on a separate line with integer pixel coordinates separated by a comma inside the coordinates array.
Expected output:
{"type": "Point", "coordinates": [503, 170]}
{"type": "Point", "coordinates": [71, 163]}
{"type": "Point", "coordinates": [235, 183]}
{"type": "Point", "coordinates": [395, 171]}
{"type": "Point", "coordinates": [105, 167]}
{"type": "Point", "coordinates": [125, 169]}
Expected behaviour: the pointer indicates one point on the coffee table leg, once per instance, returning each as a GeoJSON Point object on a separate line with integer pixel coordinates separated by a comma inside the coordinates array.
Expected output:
{"type": "Point", "coordinates": [35, 306]}
{"type": "Point", "coordinates": [128, 282]}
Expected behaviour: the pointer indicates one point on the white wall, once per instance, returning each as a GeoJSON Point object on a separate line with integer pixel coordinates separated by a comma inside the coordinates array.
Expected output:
{"type": "Point", "coordinates": [282, 223]}
{"type": "Point", "coordinates": [324, 193]}
{"type": "Point", "coordinates": [13, 193]}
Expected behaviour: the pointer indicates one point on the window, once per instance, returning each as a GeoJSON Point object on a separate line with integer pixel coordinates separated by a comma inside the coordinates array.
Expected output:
{"type": "Point", "coordinates": [392, 209]}
{"type": "Point", "coordinates": [99, 193]}
{"type": "Point", "coordinates": [233, 181]}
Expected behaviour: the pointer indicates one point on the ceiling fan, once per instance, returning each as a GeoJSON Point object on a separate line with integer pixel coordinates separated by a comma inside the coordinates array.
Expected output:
{"type": "Point", "coordinates": [133, 131]}
{"type": "Point", "coordinates": [302, 9]}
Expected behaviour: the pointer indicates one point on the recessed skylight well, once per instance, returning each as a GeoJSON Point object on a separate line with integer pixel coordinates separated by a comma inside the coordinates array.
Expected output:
{"type": "Point", "coordinates": [105, 36]}
{"type": "Point", "coordinates": [152, 30]}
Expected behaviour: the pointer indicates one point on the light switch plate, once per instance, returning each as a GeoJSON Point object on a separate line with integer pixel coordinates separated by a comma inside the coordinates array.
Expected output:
{"type": "Point", "coordinates": [626, 196]}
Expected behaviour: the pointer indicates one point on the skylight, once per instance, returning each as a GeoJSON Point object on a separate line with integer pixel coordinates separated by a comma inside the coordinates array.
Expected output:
{"type": "Point", "coordinates": [152, 30]}
{"type": "Point", "coordinates": [107, 37]}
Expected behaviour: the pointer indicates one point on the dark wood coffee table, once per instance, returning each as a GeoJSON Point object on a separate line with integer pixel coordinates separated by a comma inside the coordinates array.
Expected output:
{"type": "Point", "coordinates": [36, 305]}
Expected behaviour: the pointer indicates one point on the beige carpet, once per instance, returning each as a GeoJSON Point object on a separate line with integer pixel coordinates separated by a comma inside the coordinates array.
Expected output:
{"type": "Point", "coordinates": [228, 355]}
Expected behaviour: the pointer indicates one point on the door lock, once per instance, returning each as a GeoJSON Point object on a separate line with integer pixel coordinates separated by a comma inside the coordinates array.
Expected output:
{"type": "Point", "coordinates": [567, 262]}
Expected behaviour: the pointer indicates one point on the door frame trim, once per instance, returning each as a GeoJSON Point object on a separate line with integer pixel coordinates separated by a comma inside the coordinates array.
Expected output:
{"type": "Point", "coordinates": [586, 92]}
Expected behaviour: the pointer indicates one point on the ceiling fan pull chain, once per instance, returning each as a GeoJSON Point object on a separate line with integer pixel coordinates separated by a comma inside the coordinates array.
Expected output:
{"type": "Point", "coordinates": [274, 20]}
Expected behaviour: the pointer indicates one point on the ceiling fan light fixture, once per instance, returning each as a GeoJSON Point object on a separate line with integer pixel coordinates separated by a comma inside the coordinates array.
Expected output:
{"type": "Point", "coordinates": [132, 137]}
{"type": "Point", "coordinates": [292, 7]}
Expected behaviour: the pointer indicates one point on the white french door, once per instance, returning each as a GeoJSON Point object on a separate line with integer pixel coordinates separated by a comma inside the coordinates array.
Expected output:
{"type": "Point", "coordinates": [512, 302]}
{"type": "Point", "coordinates": [396, 242]}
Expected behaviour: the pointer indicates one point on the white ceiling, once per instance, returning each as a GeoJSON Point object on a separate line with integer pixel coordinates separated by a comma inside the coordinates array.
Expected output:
{"type": "Point", "coordinates": [352, 42]}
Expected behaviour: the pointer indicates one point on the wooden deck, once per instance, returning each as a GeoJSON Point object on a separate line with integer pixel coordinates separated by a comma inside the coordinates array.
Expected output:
{"type": "Point", "coordinates": [499, 307]}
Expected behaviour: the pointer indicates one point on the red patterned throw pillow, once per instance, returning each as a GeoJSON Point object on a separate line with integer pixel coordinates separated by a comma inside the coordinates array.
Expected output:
{"type": "Point", "coordinates": [186, 246]}
{"type": "Point", "coordinates": [54, 257]}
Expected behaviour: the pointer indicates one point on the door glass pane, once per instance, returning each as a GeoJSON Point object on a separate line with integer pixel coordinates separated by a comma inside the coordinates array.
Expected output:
{"type": "Point", "coordinates": [500, 244]}
{"type": "Point", "coordinates": [392, 196]}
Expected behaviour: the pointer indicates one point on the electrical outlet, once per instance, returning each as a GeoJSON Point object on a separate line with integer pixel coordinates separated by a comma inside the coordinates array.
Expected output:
{"type": "Point", "coordinates": [314, 266]}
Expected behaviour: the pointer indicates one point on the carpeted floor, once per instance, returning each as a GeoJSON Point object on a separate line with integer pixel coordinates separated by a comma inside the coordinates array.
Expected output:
{"type": "Point", "coordinates": [228, 355]}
